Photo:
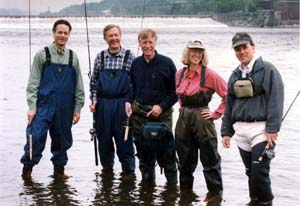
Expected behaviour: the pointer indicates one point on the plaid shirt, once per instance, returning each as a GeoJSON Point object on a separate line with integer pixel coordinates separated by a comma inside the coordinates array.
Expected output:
{"type": "Point", "coordinates": [111, 62]}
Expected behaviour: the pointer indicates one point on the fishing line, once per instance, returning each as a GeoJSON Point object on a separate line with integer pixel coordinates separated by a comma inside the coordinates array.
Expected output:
{"type": "Point", "coordinates": [88, 40]}
{"type": "Point", "coordinates": [142, 22]}
{"type": "Point", "coordinates": [29, 24]}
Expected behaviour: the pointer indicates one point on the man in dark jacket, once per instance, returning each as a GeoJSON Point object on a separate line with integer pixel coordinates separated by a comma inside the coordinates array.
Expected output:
{"type": "Point", "coordinates": [253, 114]}
{"type": "Point", "coordinates": [153, 83]}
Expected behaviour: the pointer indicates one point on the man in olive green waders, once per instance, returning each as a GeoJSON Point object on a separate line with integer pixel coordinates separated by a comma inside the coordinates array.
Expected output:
{"type": "Point", "coordinates": [153, 83]}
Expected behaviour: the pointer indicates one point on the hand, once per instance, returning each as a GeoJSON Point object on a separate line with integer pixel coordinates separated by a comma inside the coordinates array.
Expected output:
{"type": "Point", "coordinates": [30, 115]}
{"type": "Point", "coordinates": [271, 138]}
{"type": "Point", "coordinates": [128, 109]}
{"type": "Point", "coordinates": [93, 106]}
{"type": "Point", "coordinates": [76, 117]}
{"type": "Point", "coordinates": [226, 141]}
{"type": "Point", "coordinates": [155, 111]}
{"type": "Point", "coordinates": [207, 114]}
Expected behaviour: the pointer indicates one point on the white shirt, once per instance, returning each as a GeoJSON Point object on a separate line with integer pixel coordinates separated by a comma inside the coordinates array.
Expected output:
{"type": "Point", "coordinates": [246, 70]}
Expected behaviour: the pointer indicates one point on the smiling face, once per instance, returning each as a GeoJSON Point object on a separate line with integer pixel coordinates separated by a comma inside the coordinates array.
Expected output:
{"type": "Point", "coordinates": [195, 56]}
{"type": "Point", "coordinates": [61, 35]}
{"type": "Point", "coordinates": [147, 45]}
{"type": "Point", "coordinates": [245, 53]}
{"type": "Point", "coordinates": [113, 39]}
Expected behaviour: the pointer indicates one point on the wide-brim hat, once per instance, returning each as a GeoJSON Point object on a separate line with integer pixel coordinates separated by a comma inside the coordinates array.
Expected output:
{"type": "Point", "coordinates": [195, 45]}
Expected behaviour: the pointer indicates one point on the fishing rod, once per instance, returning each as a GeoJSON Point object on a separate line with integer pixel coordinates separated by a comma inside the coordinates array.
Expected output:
{"type": "Point", "coordinates": [269, 151]}
{"type": "Point", "coordinates": [29, 24]}
{"type": "Point", "coordinates": [142, 22]}
{"type": "Point", "coordinates": [290, 105]}
{"type": "Point", "coordinates": [87, 39]}
{"type": "Point", "coordinates": [93, 131]}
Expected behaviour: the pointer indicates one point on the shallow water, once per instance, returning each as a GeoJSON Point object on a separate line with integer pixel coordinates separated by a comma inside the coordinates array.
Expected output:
{"type": "Point", "coordinates": [86, 186]}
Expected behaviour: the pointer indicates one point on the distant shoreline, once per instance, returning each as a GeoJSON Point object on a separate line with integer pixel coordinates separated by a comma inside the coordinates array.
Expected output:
{"type": "Point", "coordinates": [123, 16]}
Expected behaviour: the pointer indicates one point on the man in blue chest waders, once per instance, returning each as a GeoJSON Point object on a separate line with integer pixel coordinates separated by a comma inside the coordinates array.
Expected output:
{"type": "Point", "coordinates": [55, 96]}
{"type": "Point", "coordinates": [110, 89]}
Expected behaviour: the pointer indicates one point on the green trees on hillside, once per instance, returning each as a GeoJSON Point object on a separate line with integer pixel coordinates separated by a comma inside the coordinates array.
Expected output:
{"type": "Point", "coordinates": [162, 7]}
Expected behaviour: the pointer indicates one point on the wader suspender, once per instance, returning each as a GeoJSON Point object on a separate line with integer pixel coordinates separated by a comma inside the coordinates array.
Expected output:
{"type": "Point", "coordinates": [48, 57]}
{"type": "Point", "coordinates": [124, 62]}
{"type": "Point", "coordinates": [202, 79]}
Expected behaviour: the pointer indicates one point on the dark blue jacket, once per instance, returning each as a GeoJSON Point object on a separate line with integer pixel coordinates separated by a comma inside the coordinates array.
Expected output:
{"type": "Point", "coordinates": [266, 105]}
{"type": "Point", "coordinates": [154, 82]}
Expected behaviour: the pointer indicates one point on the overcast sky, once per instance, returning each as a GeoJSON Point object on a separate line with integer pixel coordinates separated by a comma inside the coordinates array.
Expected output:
{"type": "Point", "coordinates": [40, 5]}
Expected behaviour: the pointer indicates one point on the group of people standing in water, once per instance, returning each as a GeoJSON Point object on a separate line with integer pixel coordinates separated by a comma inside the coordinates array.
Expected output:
{"type": "Point", "coordinates": [141, 91]}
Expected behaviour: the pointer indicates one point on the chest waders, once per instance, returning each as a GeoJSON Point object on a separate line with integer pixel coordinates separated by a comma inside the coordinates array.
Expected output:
{"type": "Point", "coordinates": [113, 86]}
{"type": "Point", "coordinates": [194, 133]}
{"type": "Point", "coordinates": [55, 108]}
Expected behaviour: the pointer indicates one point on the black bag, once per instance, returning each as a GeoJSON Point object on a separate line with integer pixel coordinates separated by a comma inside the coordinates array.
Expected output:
{"type": "Point", "coordinates": [157, 137]}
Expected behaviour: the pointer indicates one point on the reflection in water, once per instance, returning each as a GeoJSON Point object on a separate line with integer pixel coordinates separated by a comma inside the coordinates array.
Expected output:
{"type": "Point", "coordinates": [57, 192]}
{"type": "Point", "coordinates": [188, 197]}
{"type": "Point", "coordinates": [105, 186]}
{"type": "Point", "coordinates": [115, 191]}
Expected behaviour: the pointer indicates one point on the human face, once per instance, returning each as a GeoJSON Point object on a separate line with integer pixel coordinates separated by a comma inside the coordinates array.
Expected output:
{"type": "Point", "coordinates": [245, 53]}
{"type": "Point", "coordinates": [113, 39]}
{"type": "Point", "coordinates": [61, 35]}
{"type": "Point", "coordinates": [148, 47]}
{"type": "Point", "coordinates": [195, 56]}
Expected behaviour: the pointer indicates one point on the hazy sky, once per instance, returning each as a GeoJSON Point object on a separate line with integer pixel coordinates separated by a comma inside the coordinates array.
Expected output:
{"type": "Point", "coordinates": [41, 5]}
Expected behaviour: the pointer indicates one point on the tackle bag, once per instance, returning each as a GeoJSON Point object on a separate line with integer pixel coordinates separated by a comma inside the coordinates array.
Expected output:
{"type": "Point", "coordinates": [156, 137]}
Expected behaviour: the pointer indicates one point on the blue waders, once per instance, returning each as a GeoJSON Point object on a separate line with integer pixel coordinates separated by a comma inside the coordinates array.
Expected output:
{"type": "Point", "coordinates": [113, 88]}
{"type": "Point", "coordinates": [55, 108]}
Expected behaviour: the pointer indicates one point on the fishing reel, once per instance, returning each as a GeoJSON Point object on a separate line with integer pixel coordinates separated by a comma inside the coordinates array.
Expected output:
{"type": "Point", "coordinates": [268, 153]}
{"type": "Point", "coordinates": [93, 133]}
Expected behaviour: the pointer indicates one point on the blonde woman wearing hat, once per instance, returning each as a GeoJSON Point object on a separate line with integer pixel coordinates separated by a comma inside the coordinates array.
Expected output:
{"type": "Point", "coordinates": [195, 129]}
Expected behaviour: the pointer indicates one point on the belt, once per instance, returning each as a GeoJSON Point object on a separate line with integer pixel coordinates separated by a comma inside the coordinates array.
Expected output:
{"type": "Point", "coordinates": [250, 121]}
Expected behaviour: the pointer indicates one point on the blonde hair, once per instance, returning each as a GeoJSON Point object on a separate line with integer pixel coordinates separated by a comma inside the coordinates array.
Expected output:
{"type": "Point", "coordinates": [185, 57]}
{"type": "Point", "coordinates": [146, 33]}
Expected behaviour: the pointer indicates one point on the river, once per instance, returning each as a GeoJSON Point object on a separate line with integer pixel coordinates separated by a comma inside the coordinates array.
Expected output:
{"type": "Point", "coordinates": [85, 186]}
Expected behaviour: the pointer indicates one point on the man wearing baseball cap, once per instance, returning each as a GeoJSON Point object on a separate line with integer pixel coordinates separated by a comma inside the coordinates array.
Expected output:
{"type": "Point", "coordinates": [253, 114]}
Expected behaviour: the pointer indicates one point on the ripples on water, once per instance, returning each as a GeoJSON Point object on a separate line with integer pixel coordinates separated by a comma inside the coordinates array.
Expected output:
{"type": "Point", "coordinates": [86, 186]}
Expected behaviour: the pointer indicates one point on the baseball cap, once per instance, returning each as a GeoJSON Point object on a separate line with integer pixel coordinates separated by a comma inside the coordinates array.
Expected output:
{"type": "Point", "coordinates": [241, 38]}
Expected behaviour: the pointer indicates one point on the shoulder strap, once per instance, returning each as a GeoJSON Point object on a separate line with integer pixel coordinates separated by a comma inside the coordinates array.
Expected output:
{"type": "Point", "coordinates": [202, 82]}
{"type": "Point", "coordinates": [181, 75]}
{"type": "Point", "coordinates": [48, 56]}
{"type": "Point", "coordinates": [125, 59]}
{"type": "Point", "coordinates": [102, 61]}
{"type": "Point", "coordinates": [70, 58]}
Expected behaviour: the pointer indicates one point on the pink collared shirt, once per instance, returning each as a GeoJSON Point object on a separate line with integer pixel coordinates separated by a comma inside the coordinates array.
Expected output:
{"type": "Point", "coordinates": [213, 82]}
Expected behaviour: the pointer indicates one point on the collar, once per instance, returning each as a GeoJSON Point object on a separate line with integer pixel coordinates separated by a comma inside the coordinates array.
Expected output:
{"type": "Point", "coordinates": [249, 66]}
{"type": "Point", "coordinates": [121, 53]}
{"type": "Point", "coordinates": [58, 50]}
{"type": "Point", "coordinates": [197, 70]}
{"type": "Point", "coordinates": [148, 61]}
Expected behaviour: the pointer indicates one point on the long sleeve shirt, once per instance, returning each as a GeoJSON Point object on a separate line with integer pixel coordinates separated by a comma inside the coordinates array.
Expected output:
{"type": "Point", "coordinates": [213, 82]}
{"type": "Point", "coordinates": [153, 82]}
{"type": "Point", "coordinates": [265, 105]}
{"type": "Point", "coordinates": [58, 56]}
{"type": "Point", "coordinates": [111, 61]}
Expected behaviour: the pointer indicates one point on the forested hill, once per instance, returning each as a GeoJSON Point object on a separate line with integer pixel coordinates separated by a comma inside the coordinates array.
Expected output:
{"type": "Point", "coordinates": [157, 7]}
